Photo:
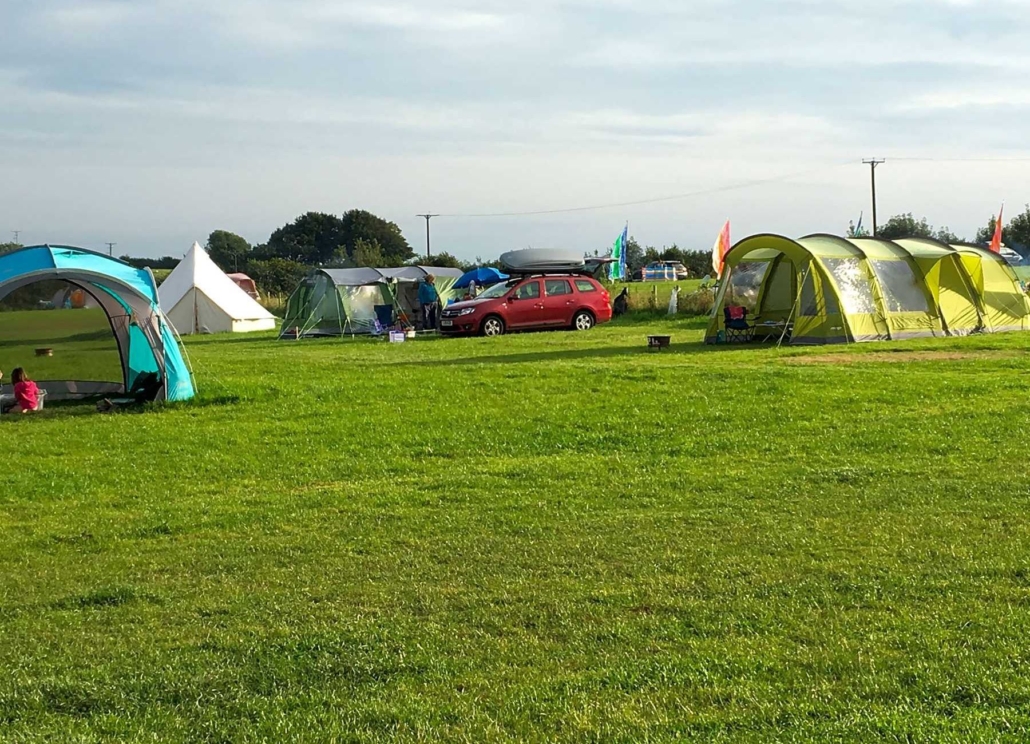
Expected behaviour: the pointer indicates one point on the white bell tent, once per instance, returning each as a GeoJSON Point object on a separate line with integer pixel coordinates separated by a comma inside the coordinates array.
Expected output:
{"type": "Point", "coordinates": [198, 297]}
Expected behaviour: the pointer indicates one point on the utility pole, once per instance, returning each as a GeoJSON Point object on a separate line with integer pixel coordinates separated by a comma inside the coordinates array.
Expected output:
{"type": "Point", "coordinates": [872, 170]}
{"type": "Point", "coordinates": [16, 234]}
{"type": "Point", "coordinates": [427, 217]}
{"type": "Point", "coordinates": [110, 248]}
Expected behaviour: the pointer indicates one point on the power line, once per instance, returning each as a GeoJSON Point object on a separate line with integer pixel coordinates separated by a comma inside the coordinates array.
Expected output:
{"type": "Point", "coordinates": [655, 200]}
{"type": "Point", "coordinates": [963, 160]}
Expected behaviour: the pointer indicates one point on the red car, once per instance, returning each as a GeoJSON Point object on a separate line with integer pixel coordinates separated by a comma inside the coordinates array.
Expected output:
{"type": "Point", "coordinates": [534, 302]}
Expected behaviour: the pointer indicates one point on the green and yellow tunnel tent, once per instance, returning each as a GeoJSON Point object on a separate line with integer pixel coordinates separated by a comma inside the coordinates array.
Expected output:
{"type": "Point", "coordinates": [152, 365]}
{"type": "Point", "coordinates": [824, 289]}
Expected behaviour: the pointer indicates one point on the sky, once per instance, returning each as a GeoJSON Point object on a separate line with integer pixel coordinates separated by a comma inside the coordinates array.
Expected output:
{"type": "Point", "coordinates": [150, 123]}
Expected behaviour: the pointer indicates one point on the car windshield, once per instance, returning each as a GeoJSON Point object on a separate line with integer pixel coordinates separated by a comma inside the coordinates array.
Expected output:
{"type": "Point", "coordinates": [498, 290]}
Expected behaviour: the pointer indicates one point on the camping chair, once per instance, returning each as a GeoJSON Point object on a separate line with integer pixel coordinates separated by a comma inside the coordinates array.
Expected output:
{"type": "Point", "coordinates": [738, 330]}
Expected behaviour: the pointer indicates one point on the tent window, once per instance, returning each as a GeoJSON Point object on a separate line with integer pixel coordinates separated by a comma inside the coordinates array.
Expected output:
{"type": "Point", "coordinates": [856, 291]}
{"type": "Point", "coordinates": [902, 289]}
{"type": "Point", "coordinates": [810, 301]}
{"type": "Point", "coordinates": [746, 283]}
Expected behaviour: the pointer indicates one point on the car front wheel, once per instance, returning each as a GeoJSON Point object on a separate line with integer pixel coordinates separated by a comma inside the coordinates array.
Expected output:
{"type": "Point", "coordinates": [493, 326]}
{"type": "Point", "coordinates": [583, 321]}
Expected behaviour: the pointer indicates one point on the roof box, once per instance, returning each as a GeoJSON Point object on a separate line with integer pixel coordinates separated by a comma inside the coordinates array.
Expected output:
{"type": "Point", "coordinates": [542, 261]}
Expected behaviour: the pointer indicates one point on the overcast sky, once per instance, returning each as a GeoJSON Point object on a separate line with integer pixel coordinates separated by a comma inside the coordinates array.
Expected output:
{"type": "Point", "coordinates": [153, 123]}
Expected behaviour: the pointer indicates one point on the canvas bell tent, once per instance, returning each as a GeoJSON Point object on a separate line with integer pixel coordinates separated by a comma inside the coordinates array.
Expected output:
{"type": "Point", "coordinates": [198, 297]}
{"type": "Point", "coordinates": [337, 302]}
{"type": "Point", "coordinates": [124, 345]}
{"type": "Point", "coordinates": [824, 289]}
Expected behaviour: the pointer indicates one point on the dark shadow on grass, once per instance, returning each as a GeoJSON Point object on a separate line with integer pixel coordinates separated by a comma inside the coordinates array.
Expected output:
{"type": "Point", "coordinates": [78, 408]}
{"type": "Point", "coordinates": [639, 350]}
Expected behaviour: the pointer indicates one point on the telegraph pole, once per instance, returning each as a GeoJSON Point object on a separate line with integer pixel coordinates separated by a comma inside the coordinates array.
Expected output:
{"type": "Point", "coordinates": [110, 248]}
{"type": "Point", "coordinates": [427, 217]}
{"type": "Point", "coordinates": [16, 234]}
{"type": "Point", "coordinates": [872, 170]}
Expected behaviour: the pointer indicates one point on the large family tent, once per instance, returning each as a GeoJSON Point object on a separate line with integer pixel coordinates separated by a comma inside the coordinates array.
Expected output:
{"type": "Point", "coordinates": [336, 302]}
{"type": "Point", "coordinates": [152, 364]}
{"type": "Point", "coordinates": [824, 289]}
{"type": "Point", "coordinates": [198, 297]}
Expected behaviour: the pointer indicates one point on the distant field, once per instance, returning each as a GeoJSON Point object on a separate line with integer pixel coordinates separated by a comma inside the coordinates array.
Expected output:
{"type": "Point", "coordinates": [536, 538]}
{"type": "Point", "coordinates": [84, 347]}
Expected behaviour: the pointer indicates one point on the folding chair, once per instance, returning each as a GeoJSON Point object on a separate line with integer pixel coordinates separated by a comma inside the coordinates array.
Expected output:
{"type": "Point", "coordinates": [738, 330]}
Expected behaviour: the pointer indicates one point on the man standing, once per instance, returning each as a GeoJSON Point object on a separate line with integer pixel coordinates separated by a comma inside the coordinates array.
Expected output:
{"type": "Point", "coordinates": [429, 299]}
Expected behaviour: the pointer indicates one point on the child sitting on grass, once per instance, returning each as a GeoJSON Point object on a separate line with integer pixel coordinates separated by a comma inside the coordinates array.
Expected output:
{"type": "Point", "coordinates": [26, 394]}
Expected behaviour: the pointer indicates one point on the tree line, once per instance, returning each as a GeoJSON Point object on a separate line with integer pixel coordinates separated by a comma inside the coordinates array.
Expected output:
{"type": "Point", "coordinates": [314, 239]}
{"type": "Point", "coordinates": [360, 238]}
{"type": "Point", "coordinates": [1015, 235]}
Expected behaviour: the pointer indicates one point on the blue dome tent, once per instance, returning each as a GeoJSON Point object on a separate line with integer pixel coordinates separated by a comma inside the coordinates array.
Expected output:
{"type": "Point", "coordinates": [147, 345]}
{"type": "Point", "coordinates": [484, 276]}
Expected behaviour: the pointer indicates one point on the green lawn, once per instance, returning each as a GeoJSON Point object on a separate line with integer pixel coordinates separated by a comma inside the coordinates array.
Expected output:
{"type": "Point", "coordinates": [83, 346]}
{"type": "Point", "coordinates": [531, 538]}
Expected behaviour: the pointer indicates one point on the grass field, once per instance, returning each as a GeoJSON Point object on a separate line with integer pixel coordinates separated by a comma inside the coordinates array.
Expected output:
{"type": "Point", "coordinates": [530, 538]}
{"type": "Point", "coordinates": [83, 346]}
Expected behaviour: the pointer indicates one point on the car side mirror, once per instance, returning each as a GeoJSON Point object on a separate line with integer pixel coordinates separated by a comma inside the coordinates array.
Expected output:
{"type": "Point", "coordinates": [512, 298]}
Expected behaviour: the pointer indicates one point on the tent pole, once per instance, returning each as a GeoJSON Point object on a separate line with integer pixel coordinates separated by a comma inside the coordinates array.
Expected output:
{"type": "Point", "coordinates": [797, 302]}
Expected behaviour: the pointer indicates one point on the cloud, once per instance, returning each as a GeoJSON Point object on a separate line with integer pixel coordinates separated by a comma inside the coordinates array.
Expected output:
{"type": "Point", "coordinates": [454, 97]}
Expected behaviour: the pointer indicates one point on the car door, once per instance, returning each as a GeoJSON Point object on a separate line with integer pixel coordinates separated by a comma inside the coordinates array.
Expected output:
{"type": "Point", "coordinates": [559, 302]}
{"type": "Point", "coordinates": [525, 305]}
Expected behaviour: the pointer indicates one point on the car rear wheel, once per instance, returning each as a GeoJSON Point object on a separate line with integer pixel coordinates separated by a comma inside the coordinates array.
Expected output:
{"type": "Point", "coordinates": [493, 326]}
{"type": "Point", "coordinates": [583, 321]}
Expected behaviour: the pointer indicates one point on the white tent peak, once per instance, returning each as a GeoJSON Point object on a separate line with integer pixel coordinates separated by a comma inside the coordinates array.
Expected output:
{"type": "Point", "coordinates": [198, 297]}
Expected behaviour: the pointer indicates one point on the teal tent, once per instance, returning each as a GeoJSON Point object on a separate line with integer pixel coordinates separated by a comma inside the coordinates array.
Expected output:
{"type": "Point", "coordinates": [152, 364]}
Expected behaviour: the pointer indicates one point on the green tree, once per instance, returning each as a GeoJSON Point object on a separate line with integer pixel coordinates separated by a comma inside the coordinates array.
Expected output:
{"type": "Point", "coordinates": [368, 253]}
{"type": "Point", "coordinates": [905, 226]}
{"type": "Point", "coordinates": [986, 234]}
{"type": "Point", "coordinates": [228, 250]}
{"type": "Point", "coordinates": [165, 263]}
{"type": "Point", "coordinates": [634, 255]}
{"type": "Point", "coordinates": [10, 247]}
{"type": "Point", "coordinates": [443, 260]}
{"type": "Point", "coordinates": [358, 224]}
{"type": "Point", "coordinates": [1019, 231]}
{"type": "Point", "coordinates": [857, 232]}
{"type": "Point", "coordinates": [275, 275]}
{"type": "Point", "coordinates": [314, 238]}
{"type": "Point", "coordinates": [317, 239]}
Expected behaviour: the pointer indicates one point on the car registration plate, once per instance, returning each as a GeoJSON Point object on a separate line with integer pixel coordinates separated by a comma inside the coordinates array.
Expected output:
{"type": "Point", "coordinates": [446, 323]}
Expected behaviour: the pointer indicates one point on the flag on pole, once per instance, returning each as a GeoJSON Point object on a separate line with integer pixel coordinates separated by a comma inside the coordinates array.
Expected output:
{"type": "Point", "coordinates": [617, 268]}
{"type": "Point", "coordinates": [858, 227]}
{"type": "Point", "coordinates": [996, 240]}
{"type": "Point", "coordinates": [721, 248]}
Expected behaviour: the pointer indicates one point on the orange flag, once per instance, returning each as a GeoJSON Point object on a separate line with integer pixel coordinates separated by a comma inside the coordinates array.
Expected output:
{"type": "Point", "coordinates": [996, 240]}
{"type": "Point", "coordinates": [721, 248]}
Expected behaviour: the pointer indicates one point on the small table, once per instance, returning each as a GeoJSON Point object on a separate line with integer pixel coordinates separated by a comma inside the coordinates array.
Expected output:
{"type": "Point", "coordinates": [780, 328]}
{"type": "Point", "coordinates": [657, 343]}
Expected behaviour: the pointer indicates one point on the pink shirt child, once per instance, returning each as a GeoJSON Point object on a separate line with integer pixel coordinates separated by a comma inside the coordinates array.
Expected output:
{"type": "Point", "coordinates": [26, 394]}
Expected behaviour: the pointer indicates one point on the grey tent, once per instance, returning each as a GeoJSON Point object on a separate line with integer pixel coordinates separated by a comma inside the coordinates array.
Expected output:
{"type": "Point", "coordinates": [336, 302]}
